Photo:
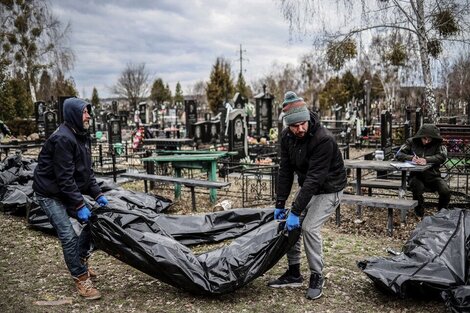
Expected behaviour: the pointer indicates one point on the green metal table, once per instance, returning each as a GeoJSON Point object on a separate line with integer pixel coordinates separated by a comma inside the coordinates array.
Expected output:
{"type": "Point", "coordinates": [205, 161]}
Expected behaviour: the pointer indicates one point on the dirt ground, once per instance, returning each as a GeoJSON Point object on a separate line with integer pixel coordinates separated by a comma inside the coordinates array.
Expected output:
{"type": "Point", "coordinates": [34, 278]}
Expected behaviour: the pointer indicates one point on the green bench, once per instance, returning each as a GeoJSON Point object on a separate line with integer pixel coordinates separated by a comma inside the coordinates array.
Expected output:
{"type": "Point", "coordinates": [188, 182]}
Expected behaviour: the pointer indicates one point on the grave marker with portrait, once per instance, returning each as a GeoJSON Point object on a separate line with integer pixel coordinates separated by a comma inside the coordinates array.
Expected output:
{"type": "Point", "coordinates": [190, 109]}
{"type": "Point", "coordinates": [264, 112]}
{"type": "Point", "coordinates": [237, 132]}
{"type": "Point", "coordinates": [50, 123]}
{"type": "Point", "coordinates": [114, 132]}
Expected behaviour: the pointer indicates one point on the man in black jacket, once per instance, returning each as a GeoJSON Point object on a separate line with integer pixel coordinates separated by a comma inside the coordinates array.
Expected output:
{"type": "Point", "coordinates": [310, 151]}
{"type": "Point", "coordinates": [63, 175]}
{"type": "Point", "coordinates": [426, 147]}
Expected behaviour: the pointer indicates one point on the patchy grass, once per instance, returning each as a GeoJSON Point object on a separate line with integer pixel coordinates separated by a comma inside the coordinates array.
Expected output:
{"type": "Point", "coordinates": [32, 269]}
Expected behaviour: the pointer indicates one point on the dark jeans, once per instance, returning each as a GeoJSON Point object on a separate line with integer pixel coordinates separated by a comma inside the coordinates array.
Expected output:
{"type": "Point", "coordinates": [74, 247]}
{"type": "Point", "coordinates": [419, 186]}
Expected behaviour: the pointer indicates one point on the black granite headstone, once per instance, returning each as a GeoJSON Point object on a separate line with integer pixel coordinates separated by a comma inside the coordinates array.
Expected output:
{"type": "Point", "coordinates": [115, 106]}
{"type": "Point", "coordinates": [238, 101]}
{"type": "Point", "coordinates": [199, 131]}
{"type": "Point", "coordinates": [114, 132]}
{"type": "Point", "coordinates": [264, 116]}
{"type": "Point", "coordinates": [237, 133]}
{"type": "Point", "coordinates": [419, 119]}
{"type": "Point", "coordinates": [143, 112]}
{"type": "Point", "coordinates": [213, 131]}
{"type": "Point", "coordinates": [39, 109]}
{"type": "Point", "coordinates": [50, 123]}
{"type": "Point", "coordinates": [386, 133]}
{"type": "Point", "coordinates": [190, 109]}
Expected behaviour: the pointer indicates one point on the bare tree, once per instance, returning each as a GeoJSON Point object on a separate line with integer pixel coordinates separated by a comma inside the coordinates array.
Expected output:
{"type": "Point", "coordinates": [198, 91]}
{"type": "Point", "coordinates": [459, 81]}
{"type": "Point", "coordinates": [33, 40]}
{"type": "Point", "coordinates": [281, 79]}
{"type": "Point", "coordinates": [133, 84]}
{"type": "Point", "coordinates": [429, 23]}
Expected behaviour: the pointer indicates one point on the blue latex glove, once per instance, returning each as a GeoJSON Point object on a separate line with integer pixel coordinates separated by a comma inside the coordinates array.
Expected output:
{"type": "Point", "coordinates": [102, 201]}
{"type": "Point", "coordinates": [292, 222]}
{"type": "Point", "coordinates": [83, 214]}
{"type": "Point", "coordinates": [279, 214]}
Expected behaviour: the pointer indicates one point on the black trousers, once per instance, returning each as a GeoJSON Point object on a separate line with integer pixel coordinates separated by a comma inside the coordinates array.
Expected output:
{"type": "Point", "coordinates": [418, 186]}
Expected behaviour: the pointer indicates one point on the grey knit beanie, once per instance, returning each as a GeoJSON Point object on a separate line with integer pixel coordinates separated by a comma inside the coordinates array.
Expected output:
{"type": "Point", "coordinates": [294, 108]}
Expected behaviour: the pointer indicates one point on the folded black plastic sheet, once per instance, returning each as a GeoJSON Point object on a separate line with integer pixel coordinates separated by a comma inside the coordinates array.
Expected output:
{"type": "Point", "coordinates": [38, 219]}
{"type": "Point", "coordinates": [15, 199]}
{"type": "Point", "coordinates": [434, 261]}
{"type": "Point", "coordinates": [457, 299]}
{"type": "Point", "coordinates": [16, 169]}
{"type": "Point", "coordinates": [120, 198]}
{"type": "Point", "coordinates": [198, 229]}
{"type": "Point", "coordinates": [145, 241]}
{"type": "Point", "coordinates": [133, 199]}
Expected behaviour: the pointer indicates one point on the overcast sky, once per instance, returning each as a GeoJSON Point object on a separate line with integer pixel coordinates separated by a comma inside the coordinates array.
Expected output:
{"type": "Point", "coordinates": [178, 40]}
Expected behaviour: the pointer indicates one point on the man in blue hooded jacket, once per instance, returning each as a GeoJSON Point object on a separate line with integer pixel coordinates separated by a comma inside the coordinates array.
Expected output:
{"type": "Point", "coordinates": [63, 175]}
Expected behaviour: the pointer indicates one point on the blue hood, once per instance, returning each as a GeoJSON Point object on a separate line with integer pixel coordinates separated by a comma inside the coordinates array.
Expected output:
{"type": "Point", "coordinates": [73, 113]}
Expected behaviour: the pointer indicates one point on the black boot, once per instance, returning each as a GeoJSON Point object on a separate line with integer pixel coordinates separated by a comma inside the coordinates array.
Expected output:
{"type": "Point", "coordinates": [419, 211]}
{"type": "Point", "coordinates": [291, 278]}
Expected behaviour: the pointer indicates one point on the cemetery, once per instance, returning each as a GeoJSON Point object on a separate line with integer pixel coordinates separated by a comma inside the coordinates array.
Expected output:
{"type": "Point", "coordinates": [216, 164]}
{"type": "Point", "coordinates": [237, 156]}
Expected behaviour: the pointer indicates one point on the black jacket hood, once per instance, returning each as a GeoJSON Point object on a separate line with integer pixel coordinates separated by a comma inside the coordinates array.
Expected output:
{"type": "Point", "coordinates": [428, 130]}
{"type": "Point", "coordinates": [73, 114]}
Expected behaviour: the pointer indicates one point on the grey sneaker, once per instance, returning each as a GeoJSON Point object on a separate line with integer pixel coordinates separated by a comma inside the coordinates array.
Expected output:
{"type": "Point", "coordinates": [315, 287]}
{"type": "Point", "coordinates": [286, 280]}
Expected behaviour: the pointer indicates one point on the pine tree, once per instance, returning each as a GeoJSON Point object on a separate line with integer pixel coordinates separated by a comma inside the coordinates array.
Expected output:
{"type": "Point", "coordinates": [220, 87]}
{"type": "Point", "coordinates": [95, 99]}
{"type": "Point", "coordinates": [242, 88]}
{"type": "Point", "coordinates": [7, 100]}
{"type": "Point", "coordinates": [179, 98]}
{"type": "Point", "coordinates": [23, 104]}
{"type": "Point", "coordinates": [157, 93]}
{"type": "Point", "coordinates": [45, 91]}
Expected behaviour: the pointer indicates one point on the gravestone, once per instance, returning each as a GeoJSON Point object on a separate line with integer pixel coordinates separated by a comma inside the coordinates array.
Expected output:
{"type": "Point", "coordinates": [190, 110]}
{"type": "Point", "coordinates": [213, 131]}
{"type": "Point", "coordinates": [114, 131]}
{"type": "Point", "coordinates": [50, 123]}
{"type": "Point", "coordinates": [39, 109]}
{"type": "Point", "coordinates": [419, 119]}
{"type": "Point", "coordinates": [238, 101]}
{"type": "Point", "coordinates": [143, 112]}
{"type": "Point", "coordinates": [199, 131]}
{"type": "Point", "coordinates": [114, 105]}
{"type": "Point", "coordinates": [386, 141]}
{"type": "Point", "coordinates": [264, 113]}
{"type": "Point", "coordinates": [237, 133]}
{"type": "Point", "coordinates": [123, 119]}
{"type": "Point", "coordinates": [407, 127]}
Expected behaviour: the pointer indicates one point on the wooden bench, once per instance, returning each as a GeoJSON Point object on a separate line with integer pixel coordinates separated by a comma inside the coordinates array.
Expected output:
{"type": "Point", "coordinates": [191, 183]}
{"type": "Point", "coordinates": [378, 183]}
{"type": "Point", "coordinates": [387, 203]}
